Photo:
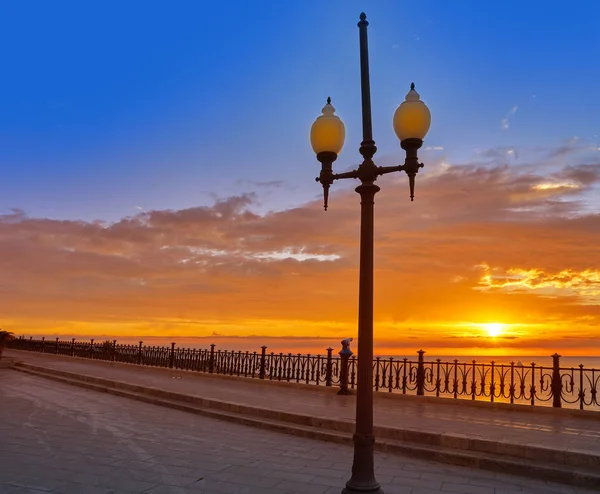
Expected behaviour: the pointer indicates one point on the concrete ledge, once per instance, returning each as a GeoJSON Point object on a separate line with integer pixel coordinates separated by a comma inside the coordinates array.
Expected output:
{"type": "Point", "coordinates": [6, 362]}
{"type": "Point", "coordinates": [445, 440]}
{"type": "Point", "coordinates": [521, 466]}
{"type": "Point", "coordinates": [181, 372]}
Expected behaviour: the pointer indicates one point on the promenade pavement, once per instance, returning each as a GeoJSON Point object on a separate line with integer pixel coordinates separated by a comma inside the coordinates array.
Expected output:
{"type": "Point", "coordinates": [65, 439]}
{"type": "Point", "coordinates": [559, 430]}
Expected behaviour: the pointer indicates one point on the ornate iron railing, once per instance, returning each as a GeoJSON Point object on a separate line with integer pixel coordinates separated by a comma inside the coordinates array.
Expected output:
{"type": "Point", "coordinates": [573, 387]}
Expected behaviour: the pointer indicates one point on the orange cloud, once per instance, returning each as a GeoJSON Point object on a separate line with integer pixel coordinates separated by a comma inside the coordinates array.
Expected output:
{"type": "Point", "coordinates": [481, 243]}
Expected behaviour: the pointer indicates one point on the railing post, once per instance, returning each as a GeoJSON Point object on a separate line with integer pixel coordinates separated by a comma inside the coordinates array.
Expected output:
{"type": "Point", "coordinates": [328, 372]}
{"type": "Point", "coordinates": [211, 362]}
{"type": "Point", "coordinates": [139, 360]}
{"type": "Point", "coordinates": [172, 355]}
{"type": "Point", "coordinates": [556, 382]}
{"type": "Point", "coordinates": [72, 347]}
{"type": "Point", "coordinates": [56, 347]}
{"type": "Point", "coordinates": [92, 348]}
{"type": "Point", "coordinates": [345, 354]}
{"type": "Point", "coordinates": [421, 374]}
{"type": "Point", "coordinates": [30, 343]}
{"type": "Point", "coordinates": [43, 344]}
{"type": "Point", "coordinates": [114, 350]}
{"type": "Point", "coordinates": [263, 362]}
{"type": "Point", "coordinates": [581, 396]}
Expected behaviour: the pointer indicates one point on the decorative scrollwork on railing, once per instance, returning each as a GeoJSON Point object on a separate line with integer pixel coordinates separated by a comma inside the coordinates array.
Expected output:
{"type": "Point", "coordinates": [577, 382]}
{"type": "Point", "coordinates": [510, 383]}
{"type": "Point", "coordinates": [127, 354]}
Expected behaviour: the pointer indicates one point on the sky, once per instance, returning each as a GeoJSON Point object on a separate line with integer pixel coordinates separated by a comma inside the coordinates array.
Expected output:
{"type": "Point", "coordinates": [156, 177]}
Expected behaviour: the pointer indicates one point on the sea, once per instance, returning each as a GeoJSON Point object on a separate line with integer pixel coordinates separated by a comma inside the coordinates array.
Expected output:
{"type": "Point", "coordinates": [254, 344]}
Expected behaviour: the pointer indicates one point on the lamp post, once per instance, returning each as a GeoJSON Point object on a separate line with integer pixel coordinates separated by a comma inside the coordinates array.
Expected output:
{"type": "Point", "coordinates": [411, 122]}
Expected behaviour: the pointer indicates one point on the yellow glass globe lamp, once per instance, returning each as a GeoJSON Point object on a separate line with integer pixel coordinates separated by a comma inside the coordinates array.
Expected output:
{"type": "Point", "coordinates": [411, 123]}
{"type": "Point", "coordinates": [327, 134]}
{"type": "Point", "coordinates": [412, 118]}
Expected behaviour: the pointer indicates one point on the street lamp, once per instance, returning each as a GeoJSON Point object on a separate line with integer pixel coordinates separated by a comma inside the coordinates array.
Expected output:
{"type": "Point", "coordinates": [411, 123]}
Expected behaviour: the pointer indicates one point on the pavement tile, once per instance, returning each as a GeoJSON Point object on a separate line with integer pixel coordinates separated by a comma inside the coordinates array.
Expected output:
{"type": "Point", "coordinates": [210, 487]}
{"type": "Point", "coordinates": [80, 488]}
{"type": "Point", "coordinates": [327, 472]}
{"type": "Point", "coordinates": [222, 476]}
{"type": "Point", "coordinates": [40, 484]}
{"type": "Point", "coordinates": [328, 481]}
{"type": "Point", "coordinates": [493, 482]}
{"type": "Point", "coordinates": [421, 483]}
{"type": "Point", "coordinates": [442, 477]}
{"type": "Point", "coordinates": [398, 473]}
{"type": "Point", "coordinates": [191, 471]}
{"type": "Point", "coordinates": [131, 465]}
{"type": "Point", "coordinates": [127, 483]}
{"type": "Point", "coordinates": [397, 489]}
{"type": "Point", "coordinates": [302, 487]}
{"type": "Point", "coordinates": [291, 476]}
{"type": "Point", "coordinates": [86, 478]}
{"type": "Point", "coordinates": [255, 481]}
{"type": "Point", "coordinates": [167, 489]}
{"type": "Point", "coordinates": [30, 491]}
{"type": "Point", "coordinates": [466, 488]}
{"type": "Point", "coordinates": [9, 489]}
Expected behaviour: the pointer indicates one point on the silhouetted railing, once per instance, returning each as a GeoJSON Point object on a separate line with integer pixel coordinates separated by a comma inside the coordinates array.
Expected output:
{"type": "Point", "coordinates": [573, 387]}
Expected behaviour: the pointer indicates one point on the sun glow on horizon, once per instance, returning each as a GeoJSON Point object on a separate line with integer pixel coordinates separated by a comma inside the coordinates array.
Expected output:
{"type": "Point", "coordinates": [493, 329]}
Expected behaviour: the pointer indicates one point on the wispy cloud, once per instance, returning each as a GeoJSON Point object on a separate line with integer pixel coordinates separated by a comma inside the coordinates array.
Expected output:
{"type": "Point", "coordinates": [264, 184]}
{"type": "Point", "coordinates": [505, 122]}
{"type": "Point", "coordinates": [554, 186]}
{"type": "Point", "coordinates": [584, 284]}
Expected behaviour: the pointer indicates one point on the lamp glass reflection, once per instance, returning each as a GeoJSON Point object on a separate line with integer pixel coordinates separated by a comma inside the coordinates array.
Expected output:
{"type": "Point", "coordinates": [327, 133]}
{"type": "Point", "coordinates": [412, 118]}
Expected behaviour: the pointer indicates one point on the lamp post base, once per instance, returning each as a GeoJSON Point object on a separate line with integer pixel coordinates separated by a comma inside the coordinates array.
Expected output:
{"type": "Point", "coordinates": [363, 467]}
{"type": "Point", "coordinates": [358, 488]}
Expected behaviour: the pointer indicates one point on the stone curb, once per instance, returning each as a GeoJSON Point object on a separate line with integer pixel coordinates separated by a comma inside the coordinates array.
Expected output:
{"type": "Point", "coordinates": [566, 457]}
{"type": "Point", "coordinates": [444, 454]}
{"type": "Point", "coordinates": [523, 467]}
{"type": "Point", "coordinates": [182, 372]}
{"type": "Point", "coordinates": [7, 362]}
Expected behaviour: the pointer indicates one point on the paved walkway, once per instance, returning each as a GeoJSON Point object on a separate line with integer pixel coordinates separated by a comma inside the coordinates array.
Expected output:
{"type": "Point", "coordinates": [64, 439]}
{"type": "Point", "coordinates": [558, 431]}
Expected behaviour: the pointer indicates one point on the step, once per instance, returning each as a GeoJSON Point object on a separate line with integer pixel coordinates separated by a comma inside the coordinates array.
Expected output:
{"type": "Point", "coordinates": [6, 362]}
{"type": "Point", "coordinates": [450, 440]}
{"type": "Point", "coordinates": [582, 475]}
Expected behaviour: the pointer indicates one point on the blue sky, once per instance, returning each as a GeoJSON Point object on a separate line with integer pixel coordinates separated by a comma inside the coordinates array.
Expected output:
{"type": "Point", "coordinates": [109, 107]}
{"type": "Point", "coordinates": [159, 119]}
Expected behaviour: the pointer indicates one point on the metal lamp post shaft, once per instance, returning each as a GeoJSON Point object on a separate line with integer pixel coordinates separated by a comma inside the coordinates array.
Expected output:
{"type": "Point", "coordinates": [365, 83]}
{"type": "Point", "coordinates": [363, 467]}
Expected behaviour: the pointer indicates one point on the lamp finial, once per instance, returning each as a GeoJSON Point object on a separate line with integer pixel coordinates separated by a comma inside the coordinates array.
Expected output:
{"type": "Point", "coordinates": [363, 16]}
{"type": "Point", "coordinates": [412, 86]}
{"type": "Point", "coordinates": [328, 100]}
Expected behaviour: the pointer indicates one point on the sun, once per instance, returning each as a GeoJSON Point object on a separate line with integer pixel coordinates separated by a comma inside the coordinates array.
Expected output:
{"type": "Point", "coordinates": [493, 328]}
